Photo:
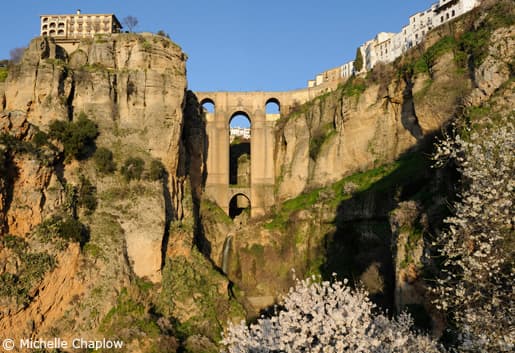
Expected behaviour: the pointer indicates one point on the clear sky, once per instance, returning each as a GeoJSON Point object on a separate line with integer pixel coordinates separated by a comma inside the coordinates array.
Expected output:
{"type": "Point", "coordinates": [236, 45]}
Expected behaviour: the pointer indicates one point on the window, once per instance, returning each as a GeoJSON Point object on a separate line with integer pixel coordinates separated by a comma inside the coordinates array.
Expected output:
{"type": "Point", "coordinates": [447, 15]}
{"type": "Point", "coordinates": [453, 13]}
{"type": "Point", "coordinates": [441, 19]}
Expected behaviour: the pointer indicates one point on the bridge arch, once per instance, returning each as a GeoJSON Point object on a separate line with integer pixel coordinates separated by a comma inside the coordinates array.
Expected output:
{"type": "Point", "coordinates": [208, 105]}
{"type": "Point", "coordinates": [240, 149]}
{"type": "Point", "coordinates": [272, 106]}
{"type": "Point", "coordinates": [238, 204]}
{"type": "Point", "coordinates": [239, 112]}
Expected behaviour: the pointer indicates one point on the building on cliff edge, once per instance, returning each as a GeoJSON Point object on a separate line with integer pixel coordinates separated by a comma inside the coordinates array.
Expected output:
{"type": "Point", "coordinates": [78, 25]}
{"type": "Point", "coordinates": [386, 47]}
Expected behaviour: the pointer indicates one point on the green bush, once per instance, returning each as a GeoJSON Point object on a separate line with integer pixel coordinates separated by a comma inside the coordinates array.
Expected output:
{"type": "Point", "coordinates": [64, 227]}
{"type": "Point", "coordinates": [3, 74]}
{"type": "Point", "coordinates": [104, 161]}
{"type": "Point", "coordinates": [133, 168]}
{"type": "Point", "coordinates": [40, 139]}
{"type": "Point", "coordinates": [77, 137]}
{"type": "Point", "coordinates": [87, 197]}
{"type": "Point", "coordinates": [157, 170]}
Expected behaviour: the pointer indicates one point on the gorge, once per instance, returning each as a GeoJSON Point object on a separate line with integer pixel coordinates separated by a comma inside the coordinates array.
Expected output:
{"type": "Point", "coordinates": [341, 182]}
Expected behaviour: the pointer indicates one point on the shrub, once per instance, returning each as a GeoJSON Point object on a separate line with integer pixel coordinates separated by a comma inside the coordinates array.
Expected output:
{"type": "Point", "coordinates": [327, 317]}
{"type": "Point", "coordinates": [104, 161]}
{"type": "Point", "coordinates": [64, 227]}
{"type": "Point", "coordinates": [40, 139]}
{"type": "Point", "coordinates": [157, 170]}
{"type": "Point", "coordinates": [87, 195]}
{"type": "Point", "coordinates": [77, 137]}
{"type": "Point", "coordinates": [3, 74]}
{"type": "Point", "coordinates": [133, 168]}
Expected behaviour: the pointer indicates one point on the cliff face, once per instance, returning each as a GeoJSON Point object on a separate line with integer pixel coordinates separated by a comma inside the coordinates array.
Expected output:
{"type": "Point", "coordinates": [356, 193]}
{"type": "Point", "coordinates": [371, 120]}
{"type": "Point", "coordinates": [133, 87]}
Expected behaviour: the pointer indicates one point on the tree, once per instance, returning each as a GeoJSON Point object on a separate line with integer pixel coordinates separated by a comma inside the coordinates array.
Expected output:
{"type": "Point", "coordinates": [358, 62]}
{"type": "Point", "coordinates": [133, 168]}
{"type": "Point", "coordinates": [16, 55]}
{"type": "Point", "coordinates": [157, 170]}
{"type": "Point", "coordinates": [104, 161]}
{"type": "Point", "coordinates": [327, 317]}
{"type": "Point", "coordinates": [475, 288]}
{"type": "Point", "coordinates": [163, 34]}
{"type": "Point", "coordinates": [130, 22]}
{"type": "Point", "coordinates": [77, 137]}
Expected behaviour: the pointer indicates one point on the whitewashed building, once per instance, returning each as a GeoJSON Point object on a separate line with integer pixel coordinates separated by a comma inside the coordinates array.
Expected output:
{"type": "Point", "coordinates": [242, 132]}
{"type": "Point", "coordinates": [347, 69]}
{"type": "Point", "coordinates": [386, 47]}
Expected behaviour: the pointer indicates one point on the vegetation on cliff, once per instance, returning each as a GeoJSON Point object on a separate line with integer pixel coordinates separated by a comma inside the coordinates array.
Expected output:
{"type": "Point", "coordinates": [478, 248]}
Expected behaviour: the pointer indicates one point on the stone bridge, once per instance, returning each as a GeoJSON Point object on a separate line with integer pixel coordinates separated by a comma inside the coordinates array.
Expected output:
{"type": "Point", "coordinates": [260, 191]}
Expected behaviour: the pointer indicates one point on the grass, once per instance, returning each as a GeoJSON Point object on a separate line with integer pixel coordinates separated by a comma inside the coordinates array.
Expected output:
{"type": "Point", "coordinates": [378, 179]}
{"type": "Point", "coordinates": [214, 212]}
{"type": "Point", "coordinates": [129, 319]}
{"type": "Point", "coordinates": [32, 267]}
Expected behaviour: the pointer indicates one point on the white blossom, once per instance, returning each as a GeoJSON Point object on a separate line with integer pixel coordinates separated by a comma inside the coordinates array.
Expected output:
{"type": "Point", "coordinates": [476, 286]}
{"type": "Point", "coordinates": [327, 317]}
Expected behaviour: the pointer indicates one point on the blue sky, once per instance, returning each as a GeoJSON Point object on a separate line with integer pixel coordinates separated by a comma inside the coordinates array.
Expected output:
{"type": "Point", "coordinates": [238, 45]}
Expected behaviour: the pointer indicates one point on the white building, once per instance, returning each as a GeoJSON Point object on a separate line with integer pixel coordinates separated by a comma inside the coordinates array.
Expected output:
{"type": "Point", "coordinates": [347, 69]}
{"type": "Point", "coordinates": [243, 132]}
{"type": "Point", "coordinates": [447, 10]}
{"type": "Point", "coordinates": [386, 47]}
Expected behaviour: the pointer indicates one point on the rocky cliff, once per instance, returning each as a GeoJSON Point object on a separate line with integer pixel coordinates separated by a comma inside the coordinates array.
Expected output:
{"type": "Point", "coordinates": [102, 237]}
{"type": "Point", "coordinates": [123, 244]}
{"type": "Point", "coordinates": [376, 118]}
{"type": "Point", "coordinates": [356, 192]}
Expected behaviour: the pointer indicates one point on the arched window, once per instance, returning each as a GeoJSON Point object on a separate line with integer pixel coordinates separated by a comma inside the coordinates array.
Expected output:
{"type": "Point", "coordinates": [239, 149]}
{"type": "Point", "coordinates": [273, 106]}
{"type": "Point", "coordinates": [208, 105]}
{"type": "Point", "coordinates": [52, 32]}
{"type": "Point", "coordinates": [239, 205]}
{"type": "Point", "coordinates": [45, 19]}
{"type": "Point", "coordinates": [60, 32]}
{"type": "Point", "coordinates": [53, 25]}
{"type": "Point", "coordinates": [45, 27]}
{"type": "Point", "coordinates": [45, 33]}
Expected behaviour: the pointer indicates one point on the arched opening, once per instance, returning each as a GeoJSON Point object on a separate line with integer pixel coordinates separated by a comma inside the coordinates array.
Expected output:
{"type": "Point", "coordinates": [239, 207]}
{"type": "Point", "coordinates": [60, 25]}
{"type": "Point", "coordinates": [45, 27]}
{"type": "Point", "coordinates": [45, 19]}
{"type": "Point", "coordinates": [208, 105]}
{"type": "Point", "coordinates": [272, 106]}
{"type": "Point", "coordinates": [60, 32]}
{"type": "Point", "coordinates": [45, 33]}
{"type": "Point", "coordinates": [52, 32]}
{"type": "Point", "coordinates": [52, 25]}
{"type": "Point", "coordinates": [239, 149]}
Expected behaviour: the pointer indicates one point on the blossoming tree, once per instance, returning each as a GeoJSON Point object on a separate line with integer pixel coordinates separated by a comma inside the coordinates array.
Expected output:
{"type": "Point", "coordinates": [327, 317]}
{"type": "Point", "coordinates": [478, 249]}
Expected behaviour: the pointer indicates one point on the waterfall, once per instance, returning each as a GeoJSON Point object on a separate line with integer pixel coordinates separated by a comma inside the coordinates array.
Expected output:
{"type": "Point", "coordinates": [225, 255]}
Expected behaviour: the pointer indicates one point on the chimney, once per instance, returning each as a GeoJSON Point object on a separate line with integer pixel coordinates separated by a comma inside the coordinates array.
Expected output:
{"type": "Point", "coordinates": [78, 12]}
